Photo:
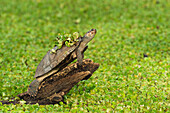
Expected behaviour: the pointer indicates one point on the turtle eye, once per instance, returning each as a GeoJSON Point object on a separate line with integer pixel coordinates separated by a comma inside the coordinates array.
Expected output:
{"type": "Point", "coordinates": [94, 30]}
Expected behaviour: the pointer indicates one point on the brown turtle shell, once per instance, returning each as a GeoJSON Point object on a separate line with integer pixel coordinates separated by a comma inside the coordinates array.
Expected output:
{"type": "Point", "coordinates": [52, 60]}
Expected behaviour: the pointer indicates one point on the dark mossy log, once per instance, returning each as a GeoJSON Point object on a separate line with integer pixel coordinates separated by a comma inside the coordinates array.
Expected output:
{"type": "Point", "coordinates": [54, 87]}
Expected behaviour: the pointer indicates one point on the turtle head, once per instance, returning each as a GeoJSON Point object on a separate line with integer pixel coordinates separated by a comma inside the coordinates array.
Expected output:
{"type": "Point", "coordinates": [89, 35]}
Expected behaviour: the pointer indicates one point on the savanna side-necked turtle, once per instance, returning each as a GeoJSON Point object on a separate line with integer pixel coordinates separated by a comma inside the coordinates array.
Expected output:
{"type": "Point", "coordinates": [52, 59]}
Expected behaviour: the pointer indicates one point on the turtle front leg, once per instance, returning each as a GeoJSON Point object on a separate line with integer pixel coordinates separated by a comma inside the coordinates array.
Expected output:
{"type": "Point", "coordinates": [79, 57]}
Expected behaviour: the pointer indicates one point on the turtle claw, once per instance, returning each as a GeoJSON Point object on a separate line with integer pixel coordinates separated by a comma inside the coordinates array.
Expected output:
{"type": "Point", "coordinates": [79, 65]}
{"type": "Point", "coordinates": [33, 88]}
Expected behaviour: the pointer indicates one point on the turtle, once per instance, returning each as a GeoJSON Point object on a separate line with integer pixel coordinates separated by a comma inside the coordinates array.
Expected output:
{"type": "Point", "coordinates": [52, 61]}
